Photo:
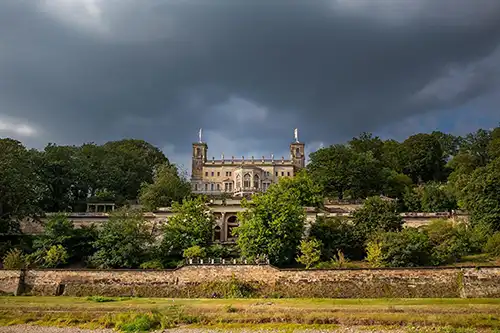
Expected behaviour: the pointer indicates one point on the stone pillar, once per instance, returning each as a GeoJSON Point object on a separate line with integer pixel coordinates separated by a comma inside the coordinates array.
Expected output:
{"type": "Point", "coordinates": [223, 232]}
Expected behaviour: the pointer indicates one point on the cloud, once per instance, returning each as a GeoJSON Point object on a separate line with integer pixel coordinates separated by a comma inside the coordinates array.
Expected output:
{"type": "Point", "coordinates": [15, 128]}
{"type": "Point", "coordinates": [247, 72]}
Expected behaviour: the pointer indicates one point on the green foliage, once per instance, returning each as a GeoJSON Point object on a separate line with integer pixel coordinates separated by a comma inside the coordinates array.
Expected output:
{"type": "Point", "coordinates": [272, 225]}
{"type": "Point", "coordinates": [374, 254]}
{"type": "Point", "coordinates": [20, 188]}
{"type": "Point", "coordinates": [59, 230]}
{"type": "Point", "coordinates": [192, 225]}
{"type": "Point", "coordinates": [124, 241]}
{"type": "Point", "coordinates": [308, 192]}
{"type": "Point", "coordinates": [449, 242]}
{"type": "Point", "coordinates": [152, 264]}
{"type": "Point", "coordinates": [55, 256]}
{"type": "Point", "coordinates": [406, 248]}
{"type": "Point", "coordinates": [100, 299]}
{"type": "Point", "coordinates": [341, 171]}
{"type": "Point", "coordinates": [195, 252]}
{"type": "Point", "coordinates": [218, 251]}
{"type": "Point", "coordinates": [166, 188]}
{"type": "Point", "coordinates": [310, 252]}
{"type": "Point", "coordinates": [493, 245]}
{"type": "Point", "coordinates": [425, 160]}
{"type": "Point", "coordinates": [482, 194]}
{"type": "Point", "coordinates": [336, 233]}
{"type": "Point", "coordinates": [376, 215]}
{"type": "Point", "coordinates": [14, 259]}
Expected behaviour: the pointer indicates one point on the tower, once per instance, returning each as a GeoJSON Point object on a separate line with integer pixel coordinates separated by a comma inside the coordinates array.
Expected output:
{"type": "Point", "coordinates": [297, 152]}
{"type": "Point", "coordinates": [198, 158]}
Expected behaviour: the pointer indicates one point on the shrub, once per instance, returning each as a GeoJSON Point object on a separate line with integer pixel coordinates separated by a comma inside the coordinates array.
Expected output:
{"type": "Point", "coordinates": [374, 254]}
{"type": "Point", "coordinates": [493, 245]}
{"type": "Point", "coordinates": [218, 251]}
{"type": "Point", "coordinates": [195, 252]}
{"type": "Point", "coordinates": [55, 256]}
{"type": "Point", "coordinates": [339, 260]}
{"type": "Point", "coordinates": [407, 248]}
{"type": "Point", "coordinates": [14, 259]}
{"type": "Point", "coordinates": [100, 299]}
{"type": "Point", "coordinates": [310, 252]}
{"type": "Point", "coordinates": [449, 242]}
{"type": "Point", "coordinates": [337, 234]}
{"type": "Point", "coordinates": [152, 264]}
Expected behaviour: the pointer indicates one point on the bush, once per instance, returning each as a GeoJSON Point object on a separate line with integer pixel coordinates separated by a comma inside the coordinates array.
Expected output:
{"type": "Point", "coordinates": [449, 242]}
{"type": "Point", "coordinates": [218, 251]}
{"type": "Point", "coordinates": [55, 256]}
{"type": "Point", "coordinates": [407, 248]}
{"type": "Point", "coordinates": [310, 252]}
{"type": "Point", "coordinates": [195, 252]}
{"type": "Point", "coordinates": [337, 234]}
{"type": "Point", "coordinates": [152, 264]}
{"type": "Point", "coordinates": [14, 259]}
{"type": "Point", "coordinates": [493, 245]}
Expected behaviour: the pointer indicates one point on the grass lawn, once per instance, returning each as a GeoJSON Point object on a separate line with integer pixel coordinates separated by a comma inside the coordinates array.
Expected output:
{"type": "Point", "coordinates": [134, 314]}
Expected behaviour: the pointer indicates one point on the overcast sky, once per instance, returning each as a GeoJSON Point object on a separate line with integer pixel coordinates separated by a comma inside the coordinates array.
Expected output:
{"type": "Point", "coordinates": [247, 71]}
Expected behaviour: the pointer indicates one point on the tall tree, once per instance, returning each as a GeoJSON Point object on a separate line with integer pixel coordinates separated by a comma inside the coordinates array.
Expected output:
{"type": "Point", "coordinates": [394, 155]}
{"type": "Point", "coordinates": [167, 187]}
{"type": "Point", "coordinates": [20, 188]}
{"type": "Point", "coordinates": [425, 158]}
{"type": "Point", "coordinates": [272, 225]}
{"type": "Point", "coordinates": [366, 142]}
{"type": "Point", "coordinates": [476, 145]}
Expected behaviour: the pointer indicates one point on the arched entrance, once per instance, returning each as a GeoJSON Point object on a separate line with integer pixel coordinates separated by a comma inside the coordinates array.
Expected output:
{"type": "Point", "coordinates": [232, 222]}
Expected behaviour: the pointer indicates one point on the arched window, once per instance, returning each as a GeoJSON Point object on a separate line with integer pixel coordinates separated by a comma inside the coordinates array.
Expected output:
{"type": "Point", "coordinates": [217, 233]}
{"type": "Point", "coordinates": [297, 152]}
{"type": "Point", "coordinates": [198, 152]}
{"type": "Point", "coordinates": [246, 181]}
{"type": "Point", "coordinates": [256, 181]}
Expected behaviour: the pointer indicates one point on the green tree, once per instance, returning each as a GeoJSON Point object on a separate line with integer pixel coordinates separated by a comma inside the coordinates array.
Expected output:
{"type": "Point", "coordinates": [191, 225]}
{"type": "Point", "coordinates": [395, 184]}
{"type": "Point", "coordinates": [310, 252]}
{"type": "Point", "coordinates": [406, 248]}
{"type": "Point", "coordinates": [341, 171]}
{"type": "Point", "coordinates": [376, 215]}
{"type": "Point", "coordinates": [450, 144]}
{"type": "Point", "coordinates": [336, 233]}
{"type": "Point", "coordinates": [449, 242]}
{"type": "Point", "coordinates": [167, 187]}
{"type": "Point", "coordinates": [481, 196]}
{"type": "Point", "coordinates": [394, 156]}
{"type": "Point", "coordinates": [20, 188]}
{"type": "Point", "coordinates": [367, 143]}
{"type": "Point", "coordinates": [124, 241]}
{"type": "Point", "coordinates": [425, 160]}
{"type": "Point", "coordinates": [308, 192]}
{"type": "Point", "coordinates": [130, 163]}
{"type": "Point", "coordinates": [272, 225]}
{"type": "Point", "coordinates": [476, 145]}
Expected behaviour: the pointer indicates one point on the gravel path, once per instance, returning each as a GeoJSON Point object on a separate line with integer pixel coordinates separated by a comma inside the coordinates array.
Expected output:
{"type": "Point", "coordinates": [39, 329]}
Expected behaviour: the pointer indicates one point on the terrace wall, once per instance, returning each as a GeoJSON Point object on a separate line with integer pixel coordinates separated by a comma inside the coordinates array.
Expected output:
{"type": "Point", "coordinates": [258, 281]}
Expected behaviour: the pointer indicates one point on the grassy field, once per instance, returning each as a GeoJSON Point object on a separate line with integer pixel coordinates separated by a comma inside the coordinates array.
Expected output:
{"type": "Point", "coordinates": [146, 314]}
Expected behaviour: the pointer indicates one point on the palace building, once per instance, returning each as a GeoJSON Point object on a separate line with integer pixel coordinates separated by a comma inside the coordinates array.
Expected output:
{"type": "Point", "coordinates": [241, 177]}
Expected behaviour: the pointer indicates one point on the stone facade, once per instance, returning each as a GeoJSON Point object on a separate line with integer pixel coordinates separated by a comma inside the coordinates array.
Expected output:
{"type": "Point", "coordinates": [241, 177]}
{"type": "Point", "coordinates": [259, 281]}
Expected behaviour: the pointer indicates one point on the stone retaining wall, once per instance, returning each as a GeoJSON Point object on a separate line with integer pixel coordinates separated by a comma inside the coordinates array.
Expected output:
{"type": "Point", "coordinates": [259, 281]}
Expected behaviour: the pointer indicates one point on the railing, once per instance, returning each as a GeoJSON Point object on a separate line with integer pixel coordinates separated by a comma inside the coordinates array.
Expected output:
{"type": "Point", "coordinates": [222, 261]}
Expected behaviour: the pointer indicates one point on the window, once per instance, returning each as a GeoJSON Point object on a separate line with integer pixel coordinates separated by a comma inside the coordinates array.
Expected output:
{"type": "Point", "coordinates": [282, 173]}
{"type": "Point", "coordinates": [206, 187]}
{"type": "Point", "coordinates": [212, 173]}
{"type": "Point", "coordinates": [218, 187]}
{"type": "Point", "coordinates": [246, 181]}
{"type": "Point", "coordinates": [196, 187]}
{"type": "Point", "coordinates": [288, 173]}
{"type": "Point", "coordinates": [218, 174]}
{"type": "Point", "coordinates": [229, 173]}
{"type": "Point", "coordinates": [231, 223]}
{"type": "Point", "coordinates": [206, 173]}
{"type": "Point", "coordinates": [211, 187]}
{"type": "Point", "coordinates": [276, 173]}
{"type": "Point", "coordinates": [256, 181]}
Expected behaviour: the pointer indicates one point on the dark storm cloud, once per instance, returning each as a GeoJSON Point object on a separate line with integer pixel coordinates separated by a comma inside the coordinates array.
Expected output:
{"type": "Point", "coordinates": [93, 70]}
